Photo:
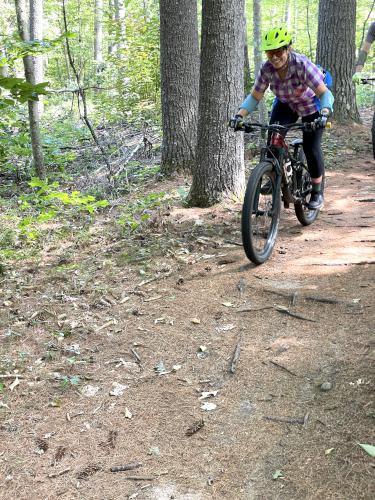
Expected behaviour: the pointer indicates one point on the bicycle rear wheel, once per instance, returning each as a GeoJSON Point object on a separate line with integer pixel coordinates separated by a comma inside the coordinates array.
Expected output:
{"type": "Point", "coordinates": [304, 214]}
{"type": "Point", "coordinates": [260, 213]}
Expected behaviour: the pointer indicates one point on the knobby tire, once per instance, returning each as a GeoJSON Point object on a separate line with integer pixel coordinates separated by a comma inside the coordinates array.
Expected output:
{"type": "Point", "coordinates": [253, 211]}
{"type": "Point", "coordinates": [303, 214]}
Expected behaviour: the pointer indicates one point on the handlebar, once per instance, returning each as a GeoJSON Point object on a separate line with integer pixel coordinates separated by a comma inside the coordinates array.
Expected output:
{"type": "Point", "coordinates": [367, 80]}
{"type": "Point", "coordinates": [275, 127]}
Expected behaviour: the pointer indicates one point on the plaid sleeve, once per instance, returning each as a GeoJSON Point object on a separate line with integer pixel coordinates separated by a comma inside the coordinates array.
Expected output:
{"type": "Point", "coordinates": [262, 80]}
{"type": "Point", "coordinates": [313, 76]}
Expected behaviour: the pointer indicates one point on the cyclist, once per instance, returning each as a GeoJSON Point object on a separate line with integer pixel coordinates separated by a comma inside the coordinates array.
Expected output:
{"type": "Point", "coordinates": [297, 83]}
{"type": "Point", "coordinates": [362, 56]}
{"type": "Point", "coordinates": [365, 48]}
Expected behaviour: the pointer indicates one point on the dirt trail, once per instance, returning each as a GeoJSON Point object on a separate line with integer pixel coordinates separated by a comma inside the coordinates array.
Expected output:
{"type": "Point", "coordinates": [274, 434]}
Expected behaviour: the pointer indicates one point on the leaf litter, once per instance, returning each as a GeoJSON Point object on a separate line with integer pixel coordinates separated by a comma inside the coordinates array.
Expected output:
{"type": "Point", "coordinates": [327, 350]}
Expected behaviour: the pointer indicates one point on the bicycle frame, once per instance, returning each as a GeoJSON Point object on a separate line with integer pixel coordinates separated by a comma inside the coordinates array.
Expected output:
{"type": "Point", "coordinates": [281, 175]}
{"type": "Point", "coordinates": [278, 153]}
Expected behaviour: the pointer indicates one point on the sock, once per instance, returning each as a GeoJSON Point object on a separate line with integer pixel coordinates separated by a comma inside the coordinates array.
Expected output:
{"type": "Point", "coordinates": [315, 188]}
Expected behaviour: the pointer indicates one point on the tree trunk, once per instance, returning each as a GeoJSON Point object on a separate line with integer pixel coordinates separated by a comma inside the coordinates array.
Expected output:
{"type": "Point", "coordinates": [288, 14]}
{"type": "Point", "coordinates": [3, 69]}
{"type": "Point", "coordinates": [295, 22]}
{"type": "Point", "coordinates": [36, 142]}
{"type": "Point", "coordinates": [120, 22]}
{"type": "Point", "coordinates": [308, 27]}
{"type": "Point", "coordinates": [219, 170]}
{"type": "Point", "coordinates": [247, 72]}
{"type": "Point", "coordinates": [258, 53]}
{"type": "Point", "coordinates": [337, 22]}
{"type": "Point", "coordinates": [179, 71]}
{"type": "Point", "coordinates": [36, 33]}
{"type": "Point", "coordinates": [98, 29]}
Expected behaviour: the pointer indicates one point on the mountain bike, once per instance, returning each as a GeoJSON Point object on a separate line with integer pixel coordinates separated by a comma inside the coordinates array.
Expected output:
{"type": "Point", "coordinates": [281, 175]}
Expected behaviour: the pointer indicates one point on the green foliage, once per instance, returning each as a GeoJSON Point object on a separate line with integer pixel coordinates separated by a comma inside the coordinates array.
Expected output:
{"type": "Point", "coordinates": [138, 212]}
{"type": "Point", "coordinates": [47, 202]}
{"type": "Point", "coordinates": [365, 94]}
{"type": "Point", "coordinates": [133, 71]}
{"type": "Point", "coordinates": [16, 48]}
{"type": "Point", "coordinates": [139, 172]}
{"type": "Point", "coordinates": [21, 90]}
{"type": "Point", "coordinates": [68, 381]}
{"type": "Point", "coordinates": [15, 144]}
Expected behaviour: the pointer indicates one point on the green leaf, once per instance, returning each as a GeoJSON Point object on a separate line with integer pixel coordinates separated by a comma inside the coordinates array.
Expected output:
{"type": "Point", "coordinates": [369, 448]}
{"type": "Point", "coordinates": [9, 82]}
{"type": "Point", "coordinates": [102, 203]}
{"type": "Point", "coordinates": [74, 380]}
{"type": "Point", "coordinates": [36, 182]}
{"type": "Point", "coordinates": [277, 474]}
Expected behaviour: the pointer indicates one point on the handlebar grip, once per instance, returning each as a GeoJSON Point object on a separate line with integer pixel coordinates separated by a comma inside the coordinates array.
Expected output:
{"type": "Point", "coordinates": [247, 128]}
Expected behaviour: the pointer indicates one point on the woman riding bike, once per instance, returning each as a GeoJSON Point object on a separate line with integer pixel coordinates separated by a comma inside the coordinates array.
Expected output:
{"type": "Point", "coordinates": [362, 56]}
{"type": "Point", "coordinates": [300, 90]}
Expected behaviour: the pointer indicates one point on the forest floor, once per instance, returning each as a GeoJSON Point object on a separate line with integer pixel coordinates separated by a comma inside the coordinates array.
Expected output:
{"type": "Point", "coordinates": [116, 352]}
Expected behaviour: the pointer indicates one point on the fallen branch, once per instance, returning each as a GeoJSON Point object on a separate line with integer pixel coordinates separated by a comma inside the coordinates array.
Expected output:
{"type": "Point", "coordinates": [235, 358]}
{"type": "Point", "coordinates": [284, 310]}
{"type": "Point", "coordinates": [232, 242]}
{"type": "Point", "coordinates": [11, 375]}
{"type": "Point", "coordinates": [122, 468]}
{"type": "Point", "coordinates": [195, 427]}
{"type": "Point", "coordinates": [288, 420]}
{"type": "Point", "coordinates": [138, 478]}
{"type": "Point", "coordinates": [324, 300]}
{"type": "Point", "coordinates": [315, 298]}
{"type": "Point", "coordinates": [253, 309]}
{"type": "Point", "coordinates": [77, 90]}
{"type": "Point", "coordinates": [136, 355]}
{"type": "Point", "coordinates": [123, 162]}
{"type": "Point", "coordinates": [60, 473]}
{"type": "Point", "coordinates": [283, 368]}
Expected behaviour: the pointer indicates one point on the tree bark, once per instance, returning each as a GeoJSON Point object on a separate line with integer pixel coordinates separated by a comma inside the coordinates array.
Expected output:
{"type": "Point", "coordinates": [247, 72]}
{"type": "Point", "coordinates": [34, 115]}
{"type": "Point", "coordinates": [288, 14]}
{"type": "Point", "coordinates": [257, 40]}
{"type": "Point", "coordinates": [120, 22]}
{"type": "Point", "coordinates": [179, 72]}
{"type": "Point", "coordinates": [308, 27]}
{"type": "Point", "coordinates": [219, 170]}
{"type": "Point", "coordinates": [36, 33]}
{"type": "Point", "coordinates": [336, 22]}
{"type": "Point", "coordinates": [3, 69]}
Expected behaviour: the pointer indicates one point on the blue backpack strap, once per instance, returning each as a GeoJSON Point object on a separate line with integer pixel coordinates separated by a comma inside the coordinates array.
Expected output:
{"type": "Point", "coordinates": [328, 80]}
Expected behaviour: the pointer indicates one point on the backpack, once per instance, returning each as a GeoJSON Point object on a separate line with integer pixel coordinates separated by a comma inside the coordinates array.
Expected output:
{"type": "Point", "coordinates": [328, 80]}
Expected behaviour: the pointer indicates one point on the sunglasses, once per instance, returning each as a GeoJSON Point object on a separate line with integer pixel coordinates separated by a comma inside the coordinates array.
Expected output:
{"type": "Point", "coordinates": [277, 53]}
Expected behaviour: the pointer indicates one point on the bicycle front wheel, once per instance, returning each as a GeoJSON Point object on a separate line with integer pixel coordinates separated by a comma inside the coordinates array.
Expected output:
{"type": "Point", "coordinates": [303, 213]}
{"type": "Point", "coordinates": [260, 213]}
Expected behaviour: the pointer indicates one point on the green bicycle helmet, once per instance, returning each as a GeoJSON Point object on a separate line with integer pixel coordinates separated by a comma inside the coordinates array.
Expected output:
{"type": "Point", "coordinates": [276, 38]}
